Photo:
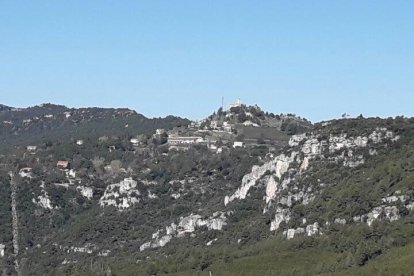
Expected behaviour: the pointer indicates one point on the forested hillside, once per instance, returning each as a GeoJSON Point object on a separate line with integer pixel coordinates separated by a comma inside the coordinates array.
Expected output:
{"type": "Point", "coordinates": [111, 192]}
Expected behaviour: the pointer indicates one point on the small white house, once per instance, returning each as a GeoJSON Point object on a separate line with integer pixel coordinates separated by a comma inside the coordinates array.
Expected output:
{"type": "Point", "coordinates": [134, 141]}
{"type": "Point", "coordinates": [238, 144]}
{"type": "Point", "coordinates": [236, 104]}
{"type": "Point", "coordinates": [31, 148]}
{"type": "Point", "coordinates": [79, 142]}
{"type": "Point", "coordinates": [2, 249]}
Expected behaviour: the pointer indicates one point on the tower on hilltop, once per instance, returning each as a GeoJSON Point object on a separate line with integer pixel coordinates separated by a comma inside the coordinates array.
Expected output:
{"type": "Point", "coordinates": [236, 104]}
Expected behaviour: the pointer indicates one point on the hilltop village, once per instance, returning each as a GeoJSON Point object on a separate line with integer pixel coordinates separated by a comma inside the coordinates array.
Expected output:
{"type": "Point", "coordinates": [236, 127]}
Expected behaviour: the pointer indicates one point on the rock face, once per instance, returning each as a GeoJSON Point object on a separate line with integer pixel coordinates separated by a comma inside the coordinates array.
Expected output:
{"type": "Point", "coordinates": [282, 173]}
{"type": "Point", "coordinates": [43, 200]}
{"type": "Point", "coordinates": [277, 167]}
{"type": "Point", "coordinates": [121, 195]}
{"type": "Point", "coordinates": [186, 225]}
{"type": "Point", "coordinates": [85, 191]}
{"type": "Point", "coordinates": [310, 230]}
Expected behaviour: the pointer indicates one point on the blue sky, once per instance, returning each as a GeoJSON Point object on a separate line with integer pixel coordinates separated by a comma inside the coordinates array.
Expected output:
{"type": "Point", "coordinates": [317, 59]}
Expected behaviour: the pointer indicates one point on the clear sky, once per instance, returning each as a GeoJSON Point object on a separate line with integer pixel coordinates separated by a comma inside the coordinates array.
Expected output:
{"type": "Point", "coordinates": [317, 59]}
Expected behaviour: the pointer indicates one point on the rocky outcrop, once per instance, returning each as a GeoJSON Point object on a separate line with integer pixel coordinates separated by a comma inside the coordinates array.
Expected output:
{"type": "Point", "coordinates": [386, 213]}
{"type": "Point", "coordinates": [277, 167]}
{"type": "Point", "coordinates": [43, 199]}
{"type": "Point", "coordinates": [186, 225]}
{"type": "Point", "coordinates": [121, 195]}
{"type": "Point", "coordinates": [310, 230]}
{"type": "Point", "coordinates": [283, 172]}
{"type": "Point", "coordinates": [85, 191]}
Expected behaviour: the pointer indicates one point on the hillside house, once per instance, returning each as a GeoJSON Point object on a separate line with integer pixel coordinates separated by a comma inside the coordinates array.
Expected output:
{"type": "Point", "coordinates": [63, 165]}
{"type": "Point", "coordinates": [79, 142]}
{"type": "Point", "coordinates": [2, 249]}
{"type": "Point", "coordinates": [31, 148]}
{"type": "Point", "coordinates": [236, 104]}
{"type": "Point", "coordinates": [238, 144]}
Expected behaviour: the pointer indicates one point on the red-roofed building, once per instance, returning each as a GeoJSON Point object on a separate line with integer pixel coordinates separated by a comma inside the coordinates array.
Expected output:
{"type": "Point", "coordinates": [63, 165]}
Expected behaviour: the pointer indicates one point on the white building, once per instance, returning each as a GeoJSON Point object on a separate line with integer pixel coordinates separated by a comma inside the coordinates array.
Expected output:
{"type": "Point", "coordinates": [238, 144]}
{"type": "Point", "coordinates": [236, 104]}
{"type": "Point", "coordinates": [31, 148]}
{"type": "Point", "coordinates": [2, 249]}
{"type": "Point", "coordinates": [79, 142]}
{"type": "Point", "coordinates": [182, 140]}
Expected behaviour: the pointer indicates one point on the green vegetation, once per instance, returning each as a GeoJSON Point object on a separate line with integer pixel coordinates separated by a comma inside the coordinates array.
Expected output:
{"type": "Point", "coordinates": [201, 178]}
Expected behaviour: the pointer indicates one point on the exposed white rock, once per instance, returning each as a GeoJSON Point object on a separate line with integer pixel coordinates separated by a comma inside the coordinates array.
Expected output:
{"type": "Point", "coordinates": [373, 152]}
{"type": "Point", "coordinates": [354, 162]}
{"type": "Point", "coordinates": [312, 147]}
{"type": "Point", "coordinates": [390, 213]}
{"type": "Point", "coordinates": [71, 173]}
{"type": "Point", "coordinates": [410, 206]}
{"type": "Point", "coordinates": [271, 188]}
{"type": "Point", "coordinates": [43, 200]}
{"type": "Point", "coordinates": [25, 172]}
{"type": "Point", "coordinates": [186, 225]}
{"type": "Point", "coordinates": [291, 233]}
{"type": "Point", "coordinates": [282, 215]}
{"type": "Point", "coordinates": [211, 242]}
{"type": "Point", "coordinates": [85, 191]}
{"type": "Point", "coordinates": [172, 229]}
{"type": "Point", "coordinates": [305, 164]}
{"type": "Point", "coordinates": [312, 229]}
{"type": "Point", "coordinates": [392, 199]}
{"type": "Point", "coordinates": [278, 167]}
{"type": "Point", "coordinates": [280, 173]}
{"type": "Point", "coordinates": [145, 246]}
{"type": "Point", "coordinates": [361, 142]}
{"type": "Point", "coordinates": [357, 219]}
{"type": "Point", "coordinates": [88, 248]}
{"type": "Point", "coordinates": [295, 140]}
{"type": "Point", "coordinates": [161, 242]}
{"type": "Point", "coordinates": [340, 221]}
{"type": "Point", "coordinates": [151, 195]}
{"type": "Point", "coordinates": [121, 195]}
{"type": "Point", "coordinates": [104, 253]}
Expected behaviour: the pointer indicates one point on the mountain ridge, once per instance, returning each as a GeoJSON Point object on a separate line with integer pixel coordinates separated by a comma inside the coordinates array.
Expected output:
{"type": "Point", "coordinates": [112, 199]}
